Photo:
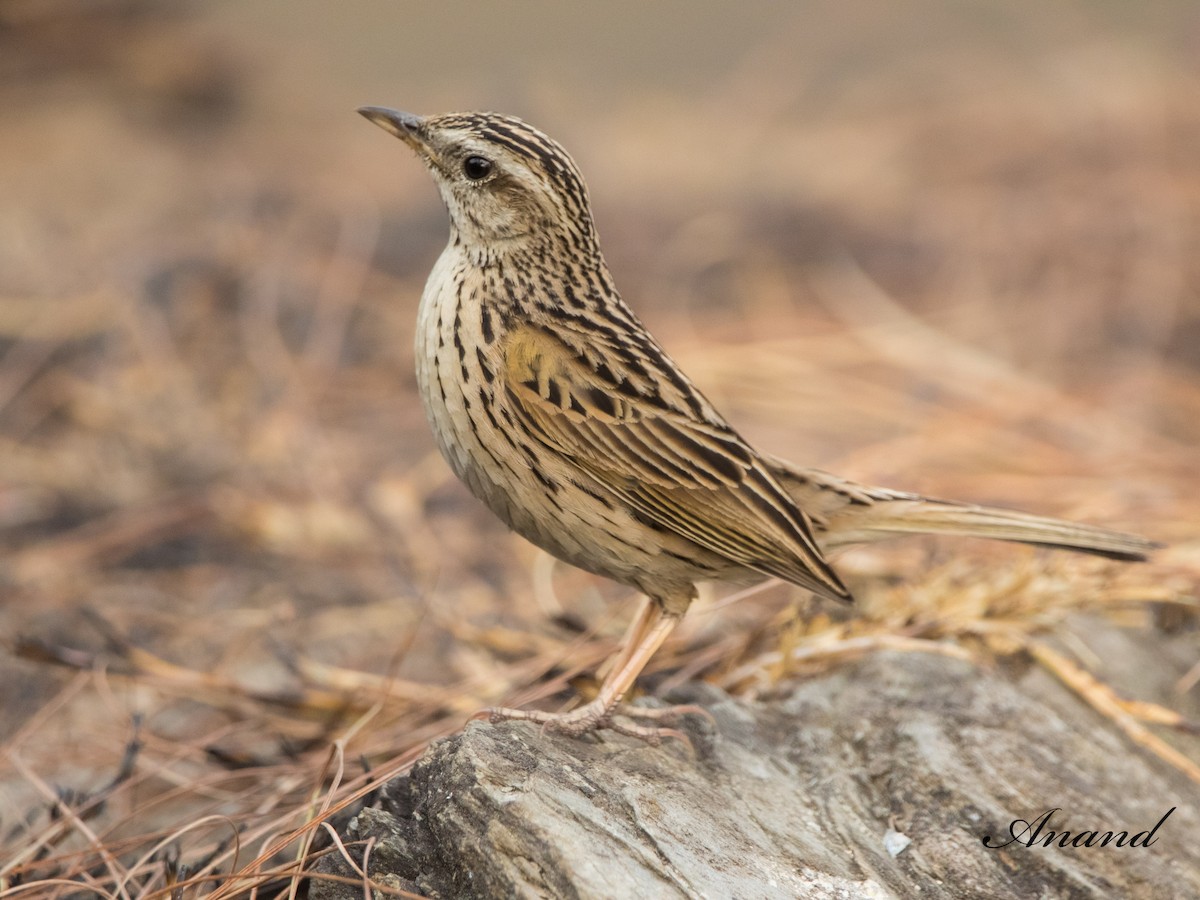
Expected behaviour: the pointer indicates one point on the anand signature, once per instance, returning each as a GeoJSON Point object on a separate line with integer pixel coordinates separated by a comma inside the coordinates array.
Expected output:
{"type": "Point", "coordinates": [1037, 833]}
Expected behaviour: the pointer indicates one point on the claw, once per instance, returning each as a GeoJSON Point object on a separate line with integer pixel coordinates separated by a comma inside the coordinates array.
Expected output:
{"type": "Point", "coordinates": [645, 635]}
{"type": "Point", "coordinates": [664, 713]}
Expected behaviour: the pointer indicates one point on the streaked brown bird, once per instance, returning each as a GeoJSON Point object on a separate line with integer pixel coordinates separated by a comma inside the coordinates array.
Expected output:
{"type": "Point", "coordinates": [562, 413]}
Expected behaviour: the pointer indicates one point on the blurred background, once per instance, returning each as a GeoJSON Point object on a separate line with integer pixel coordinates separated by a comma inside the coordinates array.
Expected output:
{"type": "Point", "coordinates": [948, 247]}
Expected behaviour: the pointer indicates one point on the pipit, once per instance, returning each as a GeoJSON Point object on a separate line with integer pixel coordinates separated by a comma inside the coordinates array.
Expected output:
{"type": "Point", "coordinates": [563, 414]}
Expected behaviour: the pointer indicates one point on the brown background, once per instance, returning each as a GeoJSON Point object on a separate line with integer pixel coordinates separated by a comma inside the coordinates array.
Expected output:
{"type": "Point", "coordinates": [939, 246]}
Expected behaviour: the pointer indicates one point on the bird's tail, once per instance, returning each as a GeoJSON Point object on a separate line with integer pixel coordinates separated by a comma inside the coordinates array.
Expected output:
{"type": "Point", "coordinates": [847, 513]}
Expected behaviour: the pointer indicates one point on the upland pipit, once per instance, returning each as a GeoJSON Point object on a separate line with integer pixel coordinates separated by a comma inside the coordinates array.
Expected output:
{"type": "Point", "coordinates": [561, 412]}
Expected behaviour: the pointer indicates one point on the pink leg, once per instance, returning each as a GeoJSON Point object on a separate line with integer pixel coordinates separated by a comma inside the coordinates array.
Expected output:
{"type": "Point", "coordinates": [644, 636]}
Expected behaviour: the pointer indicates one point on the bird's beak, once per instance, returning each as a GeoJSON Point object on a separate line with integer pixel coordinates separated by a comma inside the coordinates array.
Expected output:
{"type": "Point", "coordinates": [403, 125]}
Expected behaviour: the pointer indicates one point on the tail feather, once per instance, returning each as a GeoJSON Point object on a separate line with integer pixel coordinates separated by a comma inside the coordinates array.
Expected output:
{"type": "Point", "coordinates": [847, 513]}
{"type": "Point", "coordinates": [942, 517]}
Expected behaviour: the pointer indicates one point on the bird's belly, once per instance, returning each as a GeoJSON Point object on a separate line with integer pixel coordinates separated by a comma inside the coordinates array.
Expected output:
{"type": "Point", "coordinates": [543, 497]}
{"type": "Point", "coordinates": [539, 500]}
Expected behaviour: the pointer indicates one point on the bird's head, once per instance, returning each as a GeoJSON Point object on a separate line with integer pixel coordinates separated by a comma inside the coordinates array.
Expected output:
{"type": "Point", "coordinates": [507, 186]}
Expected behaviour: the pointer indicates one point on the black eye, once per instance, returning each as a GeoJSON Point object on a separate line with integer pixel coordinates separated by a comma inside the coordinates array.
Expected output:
{"type": "Point", "coordinates": [477, 167]}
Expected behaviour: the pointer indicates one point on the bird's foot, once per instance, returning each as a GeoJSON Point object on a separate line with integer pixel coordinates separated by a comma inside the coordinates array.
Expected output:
{"type": "Point", "coordinates": [596, 716]}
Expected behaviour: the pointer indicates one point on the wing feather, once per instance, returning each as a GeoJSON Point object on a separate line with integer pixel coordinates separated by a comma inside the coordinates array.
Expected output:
{"type": "Point", "coordinates": [671, 458]}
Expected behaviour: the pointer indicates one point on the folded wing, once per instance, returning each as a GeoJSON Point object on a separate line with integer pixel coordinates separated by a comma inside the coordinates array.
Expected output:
{"type": "Point", "coordinates": [636, 427]}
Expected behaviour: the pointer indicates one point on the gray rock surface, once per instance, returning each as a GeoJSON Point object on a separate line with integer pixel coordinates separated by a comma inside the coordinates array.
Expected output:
{"type": "Point", "coordinates": [879, 779]}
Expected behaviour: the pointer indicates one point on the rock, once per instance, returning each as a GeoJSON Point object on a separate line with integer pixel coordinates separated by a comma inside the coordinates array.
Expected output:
{"type": "Point", "coordinates": [879, 779]}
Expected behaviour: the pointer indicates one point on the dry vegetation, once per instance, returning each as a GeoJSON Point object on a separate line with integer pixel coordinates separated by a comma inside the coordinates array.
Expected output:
{"type": "Point", "coordinates": [241, 591]}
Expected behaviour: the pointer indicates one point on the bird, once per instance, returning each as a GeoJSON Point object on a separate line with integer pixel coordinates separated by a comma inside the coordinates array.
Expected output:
{"type": "Point", "coordinates": [562, 413]}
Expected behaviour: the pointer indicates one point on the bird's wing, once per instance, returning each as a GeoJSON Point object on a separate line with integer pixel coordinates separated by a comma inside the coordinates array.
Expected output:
{"type": "Point", "coordinates": [629, 419]}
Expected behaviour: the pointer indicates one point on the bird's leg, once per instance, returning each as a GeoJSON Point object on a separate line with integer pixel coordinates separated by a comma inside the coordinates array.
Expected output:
{"type": "Point", "coordinates": [634, 634]}
{"type": "Point", "coordinates": [645, 635]}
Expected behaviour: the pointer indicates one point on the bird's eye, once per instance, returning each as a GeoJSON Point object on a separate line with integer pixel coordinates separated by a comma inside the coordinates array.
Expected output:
{"type": "Point", "coordinates": [477, 167]}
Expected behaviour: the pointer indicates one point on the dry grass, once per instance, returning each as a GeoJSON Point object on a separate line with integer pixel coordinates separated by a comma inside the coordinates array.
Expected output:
{"type": "Point", "coordinates": [242, 592]}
